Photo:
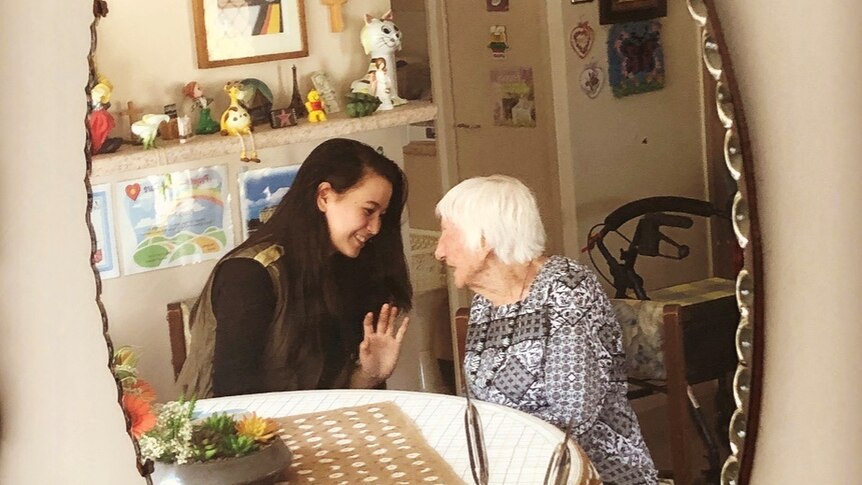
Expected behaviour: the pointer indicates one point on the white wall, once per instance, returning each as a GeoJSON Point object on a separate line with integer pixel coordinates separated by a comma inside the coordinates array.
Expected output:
{"type": "Point", "coordinates": [602, 138]}
{"type": "Point", "coordinates": [59, 421]}
{"type": "Point", "coordinates": [59, 417]}
{"type": "Point", "coordinates": [799, 68]}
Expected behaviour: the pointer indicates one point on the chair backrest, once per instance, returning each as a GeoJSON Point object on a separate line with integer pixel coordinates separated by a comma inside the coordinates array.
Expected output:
{"type": "Point", "coordinates": [179, 329]}
{"type": "Point", "coordinates": [462, 317]}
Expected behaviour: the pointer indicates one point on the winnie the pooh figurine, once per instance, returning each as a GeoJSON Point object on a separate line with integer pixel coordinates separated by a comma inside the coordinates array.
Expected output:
{"type": "Point", "coordinates": [315, 107]}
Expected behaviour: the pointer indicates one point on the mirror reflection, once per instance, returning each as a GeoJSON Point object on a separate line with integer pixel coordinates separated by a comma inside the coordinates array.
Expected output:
{"type": "Point", "coordinates": [341, 281]}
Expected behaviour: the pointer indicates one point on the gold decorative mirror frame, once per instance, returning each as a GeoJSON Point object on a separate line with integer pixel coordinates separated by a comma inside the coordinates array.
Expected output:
{"type": "Point", "coordinates": [747, 383]}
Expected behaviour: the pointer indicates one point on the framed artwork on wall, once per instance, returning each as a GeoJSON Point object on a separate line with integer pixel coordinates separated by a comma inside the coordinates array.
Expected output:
{"type": "Point", "coordinates": [617, 11]}
{"type": "Point", "coordinates": [231, 32]}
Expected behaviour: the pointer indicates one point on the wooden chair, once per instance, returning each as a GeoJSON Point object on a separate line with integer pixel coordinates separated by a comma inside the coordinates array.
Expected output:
{"type": "Point", "coordinates": [462, 316]}
{"type": "Point", "coordinates": [696, 325]}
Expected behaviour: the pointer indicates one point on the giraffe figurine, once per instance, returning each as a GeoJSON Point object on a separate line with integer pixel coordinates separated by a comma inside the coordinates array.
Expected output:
{"type": "Point", "coordinates": [236, 121]}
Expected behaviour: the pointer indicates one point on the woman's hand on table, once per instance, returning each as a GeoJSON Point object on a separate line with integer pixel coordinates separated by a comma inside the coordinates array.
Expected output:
{"type": "Point", "coordinates": [380, 347]}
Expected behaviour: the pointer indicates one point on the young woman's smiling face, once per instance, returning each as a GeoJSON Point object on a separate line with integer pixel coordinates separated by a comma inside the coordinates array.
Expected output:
{"type": "Point", "coordinates": [354, 216]}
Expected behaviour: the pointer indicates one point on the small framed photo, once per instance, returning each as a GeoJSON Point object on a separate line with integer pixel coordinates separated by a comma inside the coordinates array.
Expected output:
{"type": "Point", "coordinates": [282, 118]}
{"type": "Point", "coordinates": [618, 11]}
{"type": "Point", "coordinates": [232, 32]}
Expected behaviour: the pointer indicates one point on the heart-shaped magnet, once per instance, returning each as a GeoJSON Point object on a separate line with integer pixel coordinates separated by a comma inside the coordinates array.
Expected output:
{"type": "Point", "coordinates": [582, 38]}
{"type": "Point", "coordinates": [592, 80]}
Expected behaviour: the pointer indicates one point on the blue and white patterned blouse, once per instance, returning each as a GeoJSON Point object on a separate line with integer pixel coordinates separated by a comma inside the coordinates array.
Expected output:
{"type": "Point", "coordinates": [558, 354]}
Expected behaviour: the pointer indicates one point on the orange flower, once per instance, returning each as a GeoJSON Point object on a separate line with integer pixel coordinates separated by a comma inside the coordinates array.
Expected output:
{"type": "Point", "coordinates": [139, 413]}
{"type": "Point", "coordinates": [144, 390]}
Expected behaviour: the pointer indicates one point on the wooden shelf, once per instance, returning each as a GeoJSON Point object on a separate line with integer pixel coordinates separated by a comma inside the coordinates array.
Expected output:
{"type": "Point", "coordinates": [132, 157]}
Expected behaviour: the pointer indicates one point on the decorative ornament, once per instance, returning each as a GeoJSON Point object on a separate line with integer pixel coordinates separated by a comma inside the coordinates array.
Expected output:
{"type": "Point", "coordinates": [296, 101]}
{"type": "Point", "coordinates": [323, 85]}
{"type": "Point", "coordinates": [635, 58]}
{"type": "Point", "coordinates": [315, 107]}
{"type": "Point", "coordinates": [592, 79]}
{"type": "Point", "coordinates": [581, 39]}
{"type": "Point", "coordinates": [206, 124]}
{"type": "Point", "coordinates": [100, 120]}
{"type": "Point", "coordinates": [336, 19]}
{"type": "Point", "coordinates": [236, 121]}
{"type": "Point", "coordinates": [256, 97]}
{"type": "Point", "coordinates": [282, 118]}
{"type": "Point", "coordinates": [381, 38]}
{"type": "Point", "coordinates": [148, 128]}
{"type": "Point", "coordinates": [497, 5]}
{"type": "Point", "coordinates": [499, 41]}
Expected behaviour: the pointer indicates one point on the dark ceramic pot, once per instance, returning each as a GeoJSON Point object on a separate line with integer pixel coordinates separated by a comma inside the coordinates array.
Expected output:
{"type": "Point", "coordinates": [259, 468]}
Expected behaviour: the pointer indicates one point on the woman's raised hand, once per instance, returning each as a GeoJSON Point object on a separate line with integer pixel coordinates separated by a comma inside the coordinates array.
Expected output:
{"type": "Point", "coordinates": [379, 349]}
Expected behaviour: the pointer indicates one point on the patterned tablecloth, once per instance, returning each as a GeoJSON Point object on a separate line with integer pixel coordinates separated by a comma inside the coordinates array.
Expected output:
{"type": "Point", "coordinates": [519, 445]}
{"type": "Point", "coordinates": [373, 443]}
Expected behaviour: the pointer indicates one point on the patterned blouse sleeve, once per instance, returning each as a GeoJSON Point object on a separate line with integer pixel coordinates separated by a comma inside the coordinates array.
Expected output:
{"type": "Point", "coordinates": [576, 364]}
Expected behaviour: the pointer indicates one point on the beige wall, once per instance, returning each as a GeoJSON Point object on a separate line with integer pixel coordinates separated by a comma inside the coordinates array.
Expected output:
{"type": "Point", "coordinates": [411, 18]}
{"type": "Point", "coordinates": [601, 139]}
{"type": "Point", "coordinates": [799, 69]}
{"type": "Point", "coordinates": [59, 422]}
{"type": "Point", "coordinates": [59, 417]}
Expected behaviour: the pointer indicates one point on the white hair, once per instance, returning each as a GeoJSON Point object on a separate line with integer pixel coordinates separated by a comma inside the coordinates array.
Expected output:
{"type": "Point", "coordinates": [500, 210]}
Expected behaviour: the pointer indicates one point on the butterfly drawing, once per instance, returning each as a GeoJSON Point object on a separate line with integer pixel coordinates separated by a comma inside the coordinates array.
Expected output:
{"type": "Point", "coordinates": [635, 58]}
{"type": "Point", "coordinates": [639, 53]}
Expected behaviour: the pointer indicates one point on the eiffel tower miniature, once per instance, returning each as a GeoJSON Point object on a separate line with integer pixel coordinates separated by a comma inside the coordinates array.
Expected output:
{"type": "Point", "coordinates": [297, 104]}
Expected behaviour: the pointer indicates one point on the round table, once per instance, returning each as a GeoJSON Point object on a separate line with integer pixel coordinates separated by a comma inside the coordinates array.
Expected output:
{"type": "Point", "coordinates": [519, 445]}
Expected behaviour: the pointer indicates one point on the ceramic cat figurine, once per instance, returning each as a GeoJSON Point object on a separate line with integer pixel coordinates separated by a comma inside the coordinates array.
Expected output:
{"type": "Point", "coordinates": [381, 38]}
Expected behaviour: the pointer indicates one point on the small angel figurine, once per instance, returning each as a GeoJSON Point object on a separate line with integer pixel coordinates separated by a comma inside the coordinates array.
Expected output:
{"type": "Point", "coordinates": [100, 120]}
{"type": "Point", "coordinates": [381, 84]}
{"type": "Point", "coordinates": [206, 124]}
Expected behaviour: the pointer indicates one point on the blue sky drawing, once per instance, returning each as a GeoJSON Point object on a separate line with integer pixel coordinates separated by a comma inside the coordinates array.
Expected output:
{"type": "Point", "coordinates": [264, 188]}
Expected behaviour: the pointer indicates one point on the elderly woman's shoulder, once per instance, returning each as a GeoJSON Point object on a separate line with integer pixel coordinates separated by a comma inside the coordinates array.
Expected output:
{"type": "Point", "coordinates": [564, 264]}
{"type": "Point", "coordinates": [570, 272]}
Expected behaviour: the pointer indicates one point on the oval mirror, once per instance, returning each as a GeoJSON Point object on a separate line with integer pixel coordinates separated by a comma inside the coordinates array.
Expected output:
{"type": "Point", "coordinates": [116, 54]}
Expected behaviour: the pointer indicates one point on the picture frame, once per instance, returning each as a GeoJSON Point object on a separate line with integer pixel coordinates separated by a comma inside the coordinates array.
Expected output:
{"type": "Point", "coordinates": [260, 193]}
{"type": "Point", "coordinates": [618, 11]}
{"type": "Point", "coordinates": [233, 32]}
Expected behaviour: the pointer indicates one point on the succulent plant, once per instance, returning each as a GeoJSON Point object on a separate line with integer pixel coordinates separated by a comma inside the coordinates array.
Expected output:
{"type": "Point", "coordinates": [361, 104]}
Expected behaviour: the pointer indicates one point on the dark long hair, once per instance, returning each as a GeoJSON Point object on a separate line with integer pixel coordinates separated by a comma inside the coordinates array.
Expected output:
{"type": "Point", "coordinates": [326, 290]}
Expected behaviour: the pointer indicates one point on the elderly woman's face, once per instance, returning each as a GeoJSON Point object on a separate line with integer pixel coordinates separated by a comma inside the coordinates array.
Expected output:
{"type": "Point", "coordinates": [465, 263]}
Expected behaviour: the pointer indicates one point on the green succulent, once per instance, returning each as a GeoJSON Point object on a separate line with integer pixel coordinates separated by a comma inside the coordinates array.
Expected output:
{"type": "Point", "coordinates": [219, 423]}
{"type": "Point", "coordinates": [361, 104]}
{"type": "Point", "coordinates": [240, 445]}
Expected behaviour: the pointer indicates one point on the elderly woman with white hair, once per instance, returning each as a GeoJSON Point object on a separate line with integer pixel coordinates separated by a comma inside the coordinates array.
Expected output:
{"type": "Point", "coordinates": [542, 337]}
